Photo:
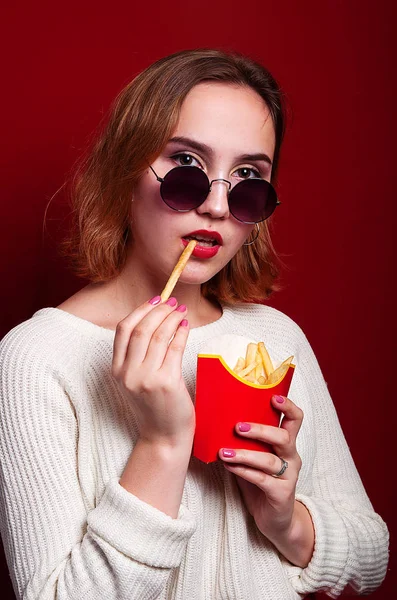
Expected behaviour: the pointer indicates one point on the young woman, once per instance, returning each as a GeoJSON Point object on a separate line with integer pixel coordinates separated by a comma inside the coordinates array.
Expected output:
{"type": "Point", "coordinates": [101, 497]}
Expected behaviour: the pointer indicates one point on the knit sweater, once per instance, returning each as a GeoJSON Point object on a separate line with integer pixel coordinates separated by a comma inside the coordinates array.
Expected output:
{"type": "Point", "coordinates": [71, 531]}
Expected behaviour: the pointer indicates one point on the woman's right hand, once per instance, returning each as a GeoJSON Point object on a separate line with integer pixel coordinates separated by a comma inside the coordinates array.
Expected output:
{"type": "Point", "coordinates": [147, 364]}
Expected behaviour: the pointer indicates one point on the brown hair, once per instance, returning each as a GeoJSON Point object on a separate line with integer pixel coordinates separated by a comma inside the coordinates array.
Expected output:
{"type": "Point", "coordinates": [141, 121]}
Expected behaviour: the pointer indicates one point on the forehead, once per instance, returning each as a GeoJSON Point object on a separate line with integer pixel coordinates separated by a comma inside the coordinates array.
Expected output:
{"type": "Point", "coordinates": [227, 117]}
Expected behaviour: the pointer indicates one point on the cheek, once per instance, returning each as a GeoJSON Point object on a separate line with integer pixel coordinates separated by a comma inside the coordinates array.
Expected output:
{"type": "Point", "coordinates": [146, 201]}
{"type": "Point", "coordinates": [242, 235]}
{"type": "Point", "coordinates": [146, 189]}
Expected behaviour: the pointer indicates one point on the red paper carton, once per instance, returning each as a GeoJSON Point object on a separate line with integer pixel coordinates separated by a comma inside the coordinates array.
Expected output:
{"type": "Point", "coordinates": [223, 399]}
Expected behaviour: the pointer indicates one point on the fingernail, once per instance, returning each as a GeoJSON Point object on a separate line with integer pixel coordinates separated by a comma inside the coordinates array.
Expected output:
{"type": "Point", "coordinates": [172, 302]}
{"type": "Point", "coordinates": [181, 308]}
{"type": "Point", "coordinates": [244, 426]}
{"type": "Point", "coordinates": [228, 453]}
{"type": "Point", "coordinates": [155, 300]}
{"type": "Point", "coordinates": [184, 323]}
{"type": "Point", "coordinates": [279, 399]}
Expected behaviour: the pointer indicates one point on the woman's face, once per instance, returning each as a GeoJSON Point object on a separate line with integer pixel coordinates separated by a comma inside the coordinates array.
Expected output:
{"type": "Point", "coordinates": [218, 125]}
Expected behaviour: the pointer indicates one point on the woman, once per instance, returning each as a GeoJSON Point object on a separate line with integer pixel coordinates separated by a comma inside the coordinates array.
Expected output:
{"type": "Point", "coordinates": [101, 497]}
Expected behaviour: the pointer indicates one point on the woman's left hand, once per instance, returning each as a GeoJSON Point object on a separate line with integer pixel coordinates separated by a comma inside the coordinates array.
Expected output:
{"type": "Point", "coordinates": [270, 498]}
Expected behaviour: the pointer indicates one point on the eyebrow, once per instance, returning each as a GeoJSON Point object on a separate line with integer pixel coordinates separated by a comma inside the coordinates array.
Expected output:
{"type": "Point", "coordinates": [207, 150]}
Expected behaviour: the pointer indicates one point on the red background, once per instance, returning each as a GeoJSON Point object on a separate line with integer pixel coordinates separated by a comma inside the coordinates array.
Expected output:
{"type": "Point", "coordinates": [64, 64]}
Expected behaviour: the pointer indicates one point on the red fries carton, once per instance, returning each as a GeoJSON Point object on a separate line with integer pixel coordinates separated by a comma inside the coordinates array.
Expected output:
{"type": "Point", "coordinates": [223, 399]}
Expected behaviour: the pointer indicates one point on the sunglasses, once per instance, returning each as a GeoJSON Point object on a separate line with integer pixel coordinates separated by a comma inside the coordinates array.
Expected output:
{"type": "Point", "coordinates": [185, 188]}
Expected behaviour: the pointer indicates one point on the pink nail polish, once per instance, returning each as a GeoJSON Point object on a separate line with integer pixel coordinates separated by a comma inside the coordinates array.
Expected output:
{"type": "Point", "coordinates": [155, 300]}
{"type": "Point", "coordinates": [228, 453]}
{"type": "Point", "coordinates": [181, 308]}
{"type": "Point", "coordinates": [244, 426]}
{"type": "Point", "coordinates": [184, 323]}
{"type": "Point", "coordinates": [279, 399]}
{"type": "Point", "coordinates": [172, 302]}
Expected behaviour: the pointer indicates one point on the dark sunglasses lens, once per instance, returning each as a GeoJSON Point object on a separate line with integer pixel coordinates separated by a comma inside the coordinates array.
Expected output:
{"type": "Point", "coordinates": [252, 200]}
{"type": "Point", "coordinates": [184, 188]}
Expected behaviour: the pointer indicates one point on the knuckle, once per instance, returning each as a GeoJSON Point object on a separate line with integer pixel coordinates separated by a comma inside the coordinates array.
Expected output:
{"type": "Point", "coordinates": [121, 327]}
{"type": "Point", "coordinates": [263, 479]}
{"type": "Point", "coordinates": [274, 462]}
{"type": "Point", "coordinates": [285, 437]}
{"type": "Point", "coordinates": [125, 380]}
{"type": "Point", "coordinates": [147, 385]}
{"type": "Point", "coordinates": [176, 347]}
{"type": "Point", "coordinates": [159, 337]}
{"type": "Point", "coordinates": [138, 332]}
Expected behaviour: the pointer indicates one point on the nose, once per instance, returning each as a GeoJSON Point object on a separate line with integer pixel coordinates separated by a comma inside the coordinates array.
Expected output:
{"type": "Point", "coordinates": [216, 203]}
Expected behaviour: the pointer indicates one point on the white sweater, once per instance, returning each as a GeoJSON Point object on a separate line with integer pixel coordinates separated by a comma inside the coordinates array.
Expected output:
{"type": "Point", "coordinates": [70, 531]}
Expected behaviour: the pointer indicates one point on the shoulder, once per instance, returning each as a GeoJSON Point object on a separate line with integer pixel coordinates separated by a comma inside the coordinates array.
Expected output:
{"type": "Point", "coordinates": [51, 337]}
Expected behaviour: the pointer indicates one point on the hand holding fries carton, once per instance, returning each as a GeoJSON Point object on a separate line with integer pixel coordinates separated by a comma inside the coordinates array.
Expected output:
{"type": "Point", "coordinates": [227, 395]}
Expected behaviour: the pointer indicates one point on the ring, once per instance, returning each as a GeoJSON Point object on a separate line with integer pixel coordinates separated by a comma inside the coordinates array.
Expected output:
{"type": "Point", "coordinates": [284, 467]}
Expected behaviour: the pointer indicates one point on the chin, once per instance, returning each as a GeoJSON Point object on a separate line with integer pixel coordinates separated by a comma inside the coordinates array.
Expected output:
{"type": "Point", "coordinates": [198, 274]}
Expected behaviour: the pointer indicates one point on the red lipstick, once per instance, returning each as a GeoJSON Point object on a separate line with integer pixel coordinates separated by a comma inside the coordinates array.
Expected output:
{"type": "Point", "coordinates": [208, 242]}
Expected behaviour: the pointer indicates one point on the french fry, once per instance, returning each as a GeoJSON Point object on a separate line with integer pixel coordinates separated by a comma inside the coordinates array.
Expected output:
{"type": "Point", "coordinates": [247, 370]}
{"type": "Point", "coordinates": [176, 273]}
{"type": "Point", "coordinates": [280, 371]}
{"type": "Point", "coordinates": [259, 365]}
{"type": "Point", "coordinates": [267, 363]}
{"type": "Point", "coordinates": [250, 356]}
{"type": "Point", "coordinates": [239, 365]}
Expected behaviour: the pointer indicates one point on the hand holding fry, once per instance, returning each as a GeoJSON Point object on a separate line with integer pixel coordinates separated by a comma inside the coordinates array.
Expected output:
{"type": "Point", "coordinates": [147, 357]}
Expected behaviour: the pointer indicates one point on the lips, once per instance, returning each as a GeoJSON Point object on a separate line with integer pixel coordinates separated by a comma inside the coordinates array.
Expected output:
{"type": "Point", "coordinates": [208, 242]}
{"type": "Point", "coordinates": [205, 237]}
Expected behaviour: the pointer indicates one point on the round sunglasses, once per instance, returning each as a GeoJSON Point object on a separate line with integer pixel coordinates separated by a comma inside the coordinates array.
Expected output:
{"type": "Point", "coordinates": [185, 188]}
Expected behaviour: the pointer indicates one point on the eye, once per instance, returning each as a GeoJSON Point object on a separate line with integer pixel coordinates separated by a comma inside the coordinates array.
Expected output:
{"type": "Point", "coordinates": [185, 160]}
{"type": "Point", "coordinates": [248, 173]}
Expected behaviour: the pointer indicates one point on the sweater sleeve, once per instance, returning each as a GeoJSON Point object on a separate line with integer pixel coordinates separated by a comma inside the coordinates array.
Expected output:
{"type": "Point", "coordinates": [351, 540]}
{"type": "Point", "coordinates": [55, 547]}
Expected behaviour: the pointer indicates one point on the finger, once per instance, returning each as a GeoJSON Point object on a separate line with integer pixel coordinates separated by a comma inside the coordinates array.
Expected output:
{"type": "Point", "coordinates": [293, 415]}
{"type": "Point", "coordinates": [281, 440]}
{"type": "Point", "coordinates": [163, 336]}
{"type": "Point", "coordinates": [263, 461]}
{"type": "Point", "coordinates": [142, 332]}
{"type": "Point", "coordinates": [123, 332]}
{"type": "Point", "coordinates": [265, 482]}
{"type": "Point", "coordinates": [264, 433]}
{"type": "Point", "coordinates": [173, 358]}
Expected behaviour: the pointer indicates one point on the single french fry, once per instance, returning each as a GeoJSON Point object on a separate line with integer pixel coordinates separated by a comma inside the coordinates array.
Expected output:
{"type": "Point", "coordinates": [247, 370]}
{"type": "Point", "coordinates": [280, 371]}
{"type": "Point", "coordinates": [176, 273]}
{"type": "Point", "coordinates": [262, 380]}
{"type": "Point", "coordinates": [240, 364]}
{"type": "Point", "coordinates": [250, 356]}
{"type": "Point", "coordinates": [267, 363]}
{"type": "Point", "coordinates": [259, 365]}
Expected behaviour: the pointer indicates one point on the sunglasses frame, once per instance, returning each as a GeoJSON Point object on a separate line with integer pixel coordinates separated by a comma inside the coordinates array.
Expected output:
{"type": "Point", "coordinates": [162, 179]}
